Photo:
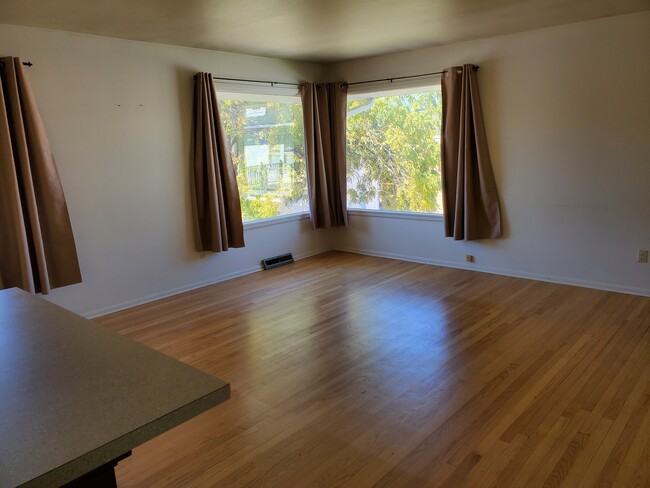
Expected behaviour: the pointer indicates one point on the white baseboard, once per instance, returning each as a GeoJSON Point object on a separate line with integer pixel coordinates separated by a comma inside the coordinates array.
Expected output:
{"type": "Point", "coordinates": [402, 257]}
{"type": "Point", "coordinates": [500, 271]}
{"type": "Point", "coordinates": [181, 289]}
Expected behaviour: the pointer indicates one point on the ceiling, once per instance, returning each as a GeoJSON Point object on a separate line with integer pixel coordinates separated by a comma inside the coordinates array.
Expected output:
{"type": "Point", "coordinates": [322, 31]}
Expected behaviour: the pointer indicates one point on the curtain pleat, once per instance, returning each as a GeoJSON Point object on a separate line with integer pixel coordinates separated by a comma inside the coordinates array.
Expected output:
{"type": "Point", "coordinates": [37, 247]}
{"type": "Point", "coordinates": [324, 112]}
{"type": "Point", "coordinates": [216, 207]}
{"type": "Point", "coordinates": [470, 199]}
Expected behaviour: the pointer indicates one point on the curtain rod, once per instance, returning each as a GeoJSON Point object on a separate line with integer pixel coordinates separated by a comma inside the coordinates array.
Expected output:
{"type": "Point", "coordinates": [272, 83]}
{"type": "Point", "coordinates": [474, 67]}
{"type": "Point", "coordinates": [25, 63]}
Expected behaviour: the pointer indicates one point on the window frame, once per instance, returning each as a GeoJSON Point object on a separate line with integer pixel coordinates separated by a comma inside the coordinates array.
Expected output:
{"type": "Point", "coordinates": [401, 87]}
{"type": "Point", "coordinates": [236, 91]}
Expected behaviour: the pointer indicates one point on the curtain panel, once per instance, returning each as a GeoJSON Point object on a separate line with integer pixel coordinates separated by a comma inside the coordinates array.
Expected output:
{"type": "Point", "coordinates": [37, 247]}
{"type": "Point", "coordinates": [216, 207]}
{"type": "Point", "coordinates": [324, 112]}
{"type": "Point", "coordinates": [470, 200]}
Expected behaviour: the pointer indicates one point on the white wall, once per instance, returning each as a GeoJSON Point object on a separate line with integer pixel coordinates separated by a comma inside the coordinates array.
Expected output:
{"type": "Point", "coordinates": [568, 120]}
{"type": "Point", "coordinates": [567, 112]}
{"type": "Point", "coordinates": [118, 115]}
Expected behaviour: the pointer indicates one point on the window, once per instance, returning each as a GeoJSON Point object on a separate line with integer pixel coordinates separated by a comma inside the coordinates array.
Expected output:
{"type": "Point", "coordinates": [393, 150]}
{"type": "Point", "coordinates": [266, 138]}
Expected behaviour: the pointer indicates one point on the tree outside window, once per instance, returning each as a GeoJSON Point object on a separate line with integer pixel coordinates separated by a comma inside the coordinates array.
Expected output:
{"type": "Point", "coordinates": [393, 151]}
{"type": "Point", "coordinates": [266, 140]}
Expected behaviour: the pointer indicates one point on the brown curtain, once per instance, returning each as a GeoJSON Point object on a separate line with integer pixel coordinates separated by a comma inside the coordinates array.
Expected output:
{"type": "Point", "coordinates": [324, 112]}
{"type": "Point", "coordinates": [37, 248]}
{"type": "Point", "coordinates": [215, 198]}
{"type": "Point", "coordinates": [470, 200]}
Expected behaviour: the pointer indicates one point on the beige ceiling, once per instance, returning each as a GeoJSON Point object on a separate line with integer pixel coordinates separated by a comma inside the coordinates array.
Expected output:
{"type": "Point", "coordinates": [307, 30]}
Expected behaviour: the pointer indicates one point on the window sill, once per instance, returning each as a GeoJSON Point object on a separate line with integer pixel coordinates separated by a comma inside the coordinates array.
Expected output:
{"type": "Point", "coordinates": [389, 214]}
{"type": "Point", "coordinates": [256, 224]}
{"type": "Point", "coordinates": [356, 212]}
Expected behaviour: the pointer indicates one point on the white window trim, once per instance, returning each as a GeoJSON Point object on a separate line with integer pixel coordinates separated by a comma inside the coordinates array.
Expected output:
{"type": "Point", "coordinates": [234, 91]}
{"type": "Point", "coordinates": [383, 90]}
{"type": "Point", "coordinates": [386, 88]}
{"type": "Point", "coordinates": [394, 214]}
{"type": "Point", "coordinates": [282, 219]}
{"type": "Point", "coordinates": [355, 212]}
{"type": "Point", "coordinates": [241, 91]}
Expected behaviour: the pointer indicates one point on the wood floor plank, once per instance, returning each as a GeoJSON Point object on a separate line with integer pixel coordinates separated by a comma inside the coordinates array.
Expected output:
{"type": "Point", "coordinates": [493, 462]}
{"type": "Point", "coordinates": [356, 371]}
{"type": "Point", "coordinates": [600, 468]}
{"type": "Point", "coordinates": [635, 469]}
{"type": "Point", "coordinates": [566, 461]}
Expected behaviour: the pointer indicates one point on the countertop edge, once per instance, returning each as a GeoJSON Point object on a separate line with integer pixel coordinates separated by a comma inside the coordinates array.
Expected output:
{"type": "Point", "coordinates": [110, 451]}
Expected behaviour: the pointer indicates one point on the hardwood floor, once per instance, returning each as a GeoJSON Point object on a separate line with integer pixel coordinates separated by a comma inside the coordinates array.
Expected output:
{"type": "Point", "coordinates": [355, 371]}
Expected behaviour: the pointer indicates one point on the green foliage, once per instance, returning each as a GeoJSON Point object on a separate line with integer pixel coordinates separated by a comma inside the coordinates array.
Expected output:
{"type": "Point", "coordinates": [271, 186]}
{"type": "Point", "coordinates": [392, 152]}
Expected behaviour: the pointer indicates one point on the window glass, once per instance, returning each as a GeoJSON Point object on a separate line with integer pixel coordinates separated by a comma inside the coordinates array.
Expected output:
{"type": "Point", "coordinates": [266, 139]}
{"type": "Point", "coordinates": [393, 150]}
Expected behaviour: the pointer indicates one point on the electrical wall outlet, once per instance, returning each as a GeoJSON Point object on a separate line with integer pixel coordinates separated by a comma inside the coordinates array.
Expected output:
{"type": "Point", "coordinates": [642, 256]}
{"type": "Point", "coordinates": [469, 258]}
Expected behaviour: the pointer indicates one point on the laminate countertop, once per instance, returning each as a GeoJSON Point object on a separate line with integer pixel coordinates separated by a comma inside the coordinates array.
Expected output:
{"type": "Point", "coordinates": [74, 395]}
